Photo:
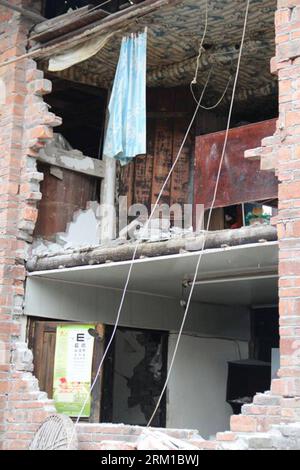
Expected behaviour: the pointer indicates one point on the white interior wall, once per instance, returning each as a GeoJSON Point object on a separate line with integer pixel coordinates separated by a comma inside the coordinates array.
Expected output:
{"type": "Point", "coordinates": [196, 396]}
{"type": "Point", "coordinates": [64, 301]}
{"type": "Point", "coordinates": [197, 388]}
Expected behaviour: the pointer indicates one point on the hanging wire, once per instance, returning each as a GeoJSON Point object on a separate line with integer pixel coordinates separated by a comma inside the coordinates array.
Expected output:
{"type": "Point", "coordinates": [136, 249]}
{"type": "Point", "coordinates": [209, 108]}
{"type": "Point", "coordinates": [194, 81]}
{"type": "Point", "coordinates": [209, 217]}
{"type": "Point", "coordinates": [147, 224]}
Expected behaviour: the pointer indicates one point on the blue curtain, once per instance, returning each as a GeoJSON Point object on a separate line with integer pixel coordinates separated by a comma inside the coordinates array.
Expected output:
{"type": "Point", "coordinates": [126, 130]}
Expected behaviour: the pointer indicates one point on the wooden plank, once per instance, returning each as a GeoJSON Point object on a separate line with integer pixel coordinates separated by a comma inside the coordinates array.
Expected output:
{"type": "Point", "coordinates": [43, 351]}
{"type": "Point", "coordinates": [97, 390]}
{"type": "Point", "coordinates": [45, 25]}
{"type": "Point", "coordinates": [126, 175]}
{"type": "Point", "coordinates": [67, 23]}
{"type": "Point", "coordinates": [144, 170]}
{"type": "Point", "coordinates": [113, 22]}
{"type": "Point", "coordinates": [61, 198]}
{"type": "Point", "coordinates": [106, 415]}
{"type": "Point", "coordinates": [241, 179]}
{"type": "Point", "coordinates": [181, 175]}
{"type": "Point", "coordinates": [48, 356]}
{"type": "Point", "coordinates": [163, 151]}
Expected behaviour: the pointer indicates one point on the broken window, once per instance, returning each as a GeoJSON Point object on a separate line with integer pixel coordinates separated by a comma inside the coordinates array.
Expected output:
{"type": "Point", "coordinates": [134, 377]}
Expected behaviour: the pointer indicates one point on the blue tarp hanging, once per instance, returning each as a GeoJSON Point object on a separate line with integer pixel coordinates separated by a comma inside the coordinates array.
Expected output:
{"type": "Point", "coordinates": [126, 131]}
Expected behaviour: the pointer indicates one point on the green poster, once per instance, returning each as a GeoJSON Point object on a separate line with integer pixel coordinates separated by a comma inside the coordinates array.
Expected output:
{"type": "Point", "coordinates": [73, 369]}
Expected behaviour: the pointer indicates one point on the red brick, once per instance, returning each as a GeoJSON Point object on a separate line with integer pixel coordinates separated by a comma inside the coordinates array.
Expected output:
{"type": "Point", "coordinates": [240, 423]}
{"type": "Point", "coordinates": [226, 436]}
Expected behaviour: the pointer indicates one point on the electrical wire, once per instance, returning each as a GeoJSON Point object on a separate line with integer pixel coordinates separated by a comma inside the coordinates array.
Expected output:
{"type": "Point", "coordinates": [147, 224]}
{"type": "Point", "coordinates": [146, 227]}
{"type": "Point", "coordinates": [194, 81]}
{"type": "Point", "coordinates": [135, 252]}
{"type": "Point", "coordinates": [139, 241]}
{"type": "Point", "coordinates": [209, 216]}
{"type": "Point", "coordinates": [209, 108]}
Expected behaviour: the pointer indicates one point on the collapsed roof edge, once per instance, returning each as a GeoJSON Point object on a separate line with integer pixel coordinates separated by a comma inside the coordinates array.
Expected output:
{"type": "Point", "coordinates": [124, 252]}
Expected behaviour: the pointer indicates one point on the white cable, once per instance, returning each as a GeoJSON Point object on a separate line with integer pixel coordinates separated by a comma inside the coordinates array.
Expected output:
{"type": "Point", "coordinates": [194, 81]}
{"type": "Point", "coordinates": [135, 253]}
{"type": "Point", "coordinates": [209, 108]}
{"type": "Point", "coordinates": [209, 217]}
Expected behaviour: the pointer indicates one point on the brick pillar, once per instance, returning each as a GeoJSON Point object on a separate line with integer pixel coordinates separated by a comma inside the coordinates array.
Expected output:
{"type": "Point", "coordinates": [25, 125]}
{"type": "Point", "coordinates": [281, 153]}
{"type": "Point", "coordinates": [287, 65]}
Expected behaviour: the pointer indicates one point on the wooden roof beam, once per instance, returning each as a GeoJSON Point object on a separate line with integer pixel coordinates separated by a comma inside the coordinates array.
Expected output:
{"type": "Point", "coordinates": [112, 22]}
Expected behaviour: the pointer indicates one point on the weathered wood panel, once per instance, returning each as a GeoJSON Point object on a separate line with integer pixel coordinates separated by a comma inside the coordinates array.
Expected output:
{"type": "Point", "coordinates": [163, 158]}
{"type": "Point", "coordinates": [241, 179]}
{"type": "Point", "coordinates": [181, 175]}
{"type": "Point", "coordinates": [61, 198]}
{"type": "Point", "coordinates": [168, 116]}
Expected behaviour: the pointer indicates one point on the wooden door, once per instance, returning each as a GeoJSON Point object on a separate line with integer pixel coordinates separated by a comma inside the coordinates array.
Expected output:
{"type": "Point", "coordinates": [42, 341]}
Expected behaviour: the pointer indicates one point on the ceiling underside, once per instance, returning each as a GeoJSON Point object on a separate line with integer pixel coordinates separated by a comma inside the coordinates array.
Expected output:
{"type": "Point", "coordinates": [174, 35]}
{"type": "Point", "coordinates": [241, 275]}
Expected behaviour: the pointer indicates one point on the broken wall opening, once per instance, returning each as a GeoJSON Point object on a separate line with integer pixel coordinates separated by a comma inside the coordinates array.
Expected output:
{"type": "Point", "coordinates": [218, 330]}
{"type": "Point", "coordinates": [170, 105]}
{"type": "Point", "coordinates": [223, 374]}
{"type": "Point", "coordinates": [78, 141]}
{"type": "Point", "coordinates": [82, 109]}
{"type": "Point", "coordinates": [161, 116]}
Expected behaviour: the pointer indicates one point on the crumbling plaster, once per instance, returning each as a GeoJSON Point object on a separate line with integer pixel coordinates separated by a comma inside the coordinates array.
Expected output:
{"type": "Point", "coordinates": [54, 154]}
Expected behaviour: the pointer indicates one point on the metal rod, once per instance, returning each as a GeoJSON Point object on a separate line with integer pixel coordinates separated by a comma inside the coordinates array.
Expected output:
{"type": "Point", "coordinates": [23, 11]}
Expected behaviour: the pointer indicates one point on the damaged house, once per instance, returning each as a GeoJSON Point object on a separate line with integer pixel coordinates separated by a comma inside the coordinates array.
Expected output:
{"type": "Point", "coordinates": [150, 221]}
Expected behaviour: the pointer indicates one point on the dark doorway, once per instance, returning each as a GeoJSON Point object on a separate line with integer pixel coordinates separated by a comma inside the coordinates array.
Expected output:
{"type": "Point", "coordinates": [134, 376]}
{"type": "Point", "coordinates": [53, 8]}
{"type": "Point", "coordinates": [82, 109]}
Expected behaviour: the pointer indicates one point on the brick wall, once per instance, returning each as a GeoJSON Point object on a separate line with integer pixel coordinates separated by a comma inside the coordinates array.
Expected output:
{"type": "Point", "coordinates": [285, 150]}
{"type": "Point", "coordinates": [123, 437]}
{"type": "Point", "coordinates": [25, 126]}
{"type": "Point", "coordinates": [281, 153]}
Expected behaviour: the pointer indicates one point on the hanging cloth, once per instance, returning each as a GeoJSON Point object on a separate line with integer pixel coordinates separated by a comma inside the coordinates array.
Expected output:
{"type": "Point", "coordinates": [78, 53]}
{"type": "Point", "coordinates": [126, 130]}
